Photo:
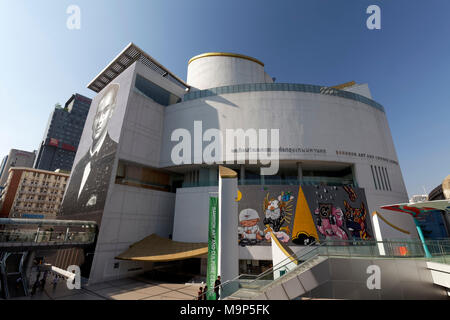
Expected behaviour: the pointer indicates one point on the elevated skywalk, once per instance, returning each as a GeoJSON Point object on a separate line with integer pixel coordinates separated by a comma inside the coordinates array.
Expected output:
{"type": "Point", "coordinates": [22, 239]}
{"type": "Point", "coordinates": [29, 234]}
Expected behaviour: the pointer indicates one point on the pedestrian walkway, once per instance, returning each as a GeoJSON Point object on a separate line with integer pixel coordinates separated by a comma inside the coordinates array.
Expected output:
{"type": "Point", "coordinates": [137, 288]}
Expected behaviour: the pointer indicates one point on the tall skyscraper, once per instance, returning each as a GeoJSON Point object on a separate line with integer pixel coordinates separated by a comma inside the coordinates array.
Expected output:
{"type": "Point", "coordinates": [62, 135]}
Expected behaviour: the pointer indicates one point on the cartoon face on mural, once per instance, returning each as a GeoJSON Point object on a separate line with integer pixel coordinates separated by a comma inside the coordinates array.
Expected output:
{"type": "Point", "coordinates": [278, 214]}
{"type": "Point", "coordinates": [273, 211]}
{"type": "Point", "coordinates": [355, 220]}
{"type": "Point", "coordinates": [248, 230]}
{"type": "Point", "coordinates": [329, 222]}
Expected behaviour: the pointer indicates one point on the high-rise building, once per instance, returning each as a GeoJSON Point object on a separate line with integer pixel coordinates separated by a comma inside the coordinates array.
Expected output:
{"type": "Point", "coordinates": [62, 135]}
{"type": "Point", "coordinates": [15, 158]}
{"type": "Point", "coordinates": [2, 167]}
{"type": "Point", "coordinates": [32, 193]}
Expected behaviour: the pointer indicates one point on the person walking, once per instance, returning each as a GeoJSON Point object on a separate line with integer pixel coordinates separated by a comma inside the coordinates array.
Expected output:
{"type": "Point", "coordinates": [42, 284]}
{"type": "Point", "coordinates": [34, 287]}
{"type": "Point", "coordinates": [43, 280]}
{"type": "Point", "coordinates": [205, 291]}
{"type": "Point", "coordinates": [217, 285]}
{"type": "Point", "coordinates": [55, 282]}
{"type": "Point", "coordinates": [200, 294]}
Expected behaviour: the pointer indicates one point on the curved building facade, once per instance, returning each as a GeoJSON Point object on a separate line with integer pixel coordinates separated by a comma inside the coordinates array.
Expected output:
{"type": "Point", "coordinates": [337, 162]}
{"type": "Point", "coordinates": [326, 135]}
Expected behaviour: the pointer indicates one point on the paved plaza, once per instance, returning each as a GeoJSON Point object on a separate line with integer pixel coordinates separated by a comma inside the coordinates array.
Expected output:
{"type": "Point", "coordinates": [137, 288]}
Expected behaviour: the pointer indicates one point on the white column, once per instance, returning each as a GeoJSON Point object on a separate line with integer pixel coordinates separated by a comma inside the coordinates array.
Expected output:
{"type": "Point", "coordinates": [242, 174]}
{"type": "Point", "coordinates": [299, 171]}
{"type": "Point", "coordinates": [228, 225]}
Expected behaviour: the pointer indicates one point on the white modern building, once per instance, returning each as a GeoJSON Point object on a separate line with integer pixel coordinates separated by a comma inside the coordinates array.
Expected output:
{"type": "Point", "coordinates": [329, 137]}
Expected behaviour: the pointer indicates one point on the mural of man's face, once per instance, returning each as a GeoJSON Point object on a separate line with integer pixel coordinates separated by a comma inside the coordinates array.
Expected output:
{"type": "Point", "coordinates": [104, 112]}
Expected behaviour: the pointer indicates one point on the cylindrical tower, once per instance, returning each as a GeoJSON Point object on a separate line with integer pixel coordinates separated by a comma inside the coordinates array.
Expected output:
{"type": "Point", "coordinates": [216, 69]}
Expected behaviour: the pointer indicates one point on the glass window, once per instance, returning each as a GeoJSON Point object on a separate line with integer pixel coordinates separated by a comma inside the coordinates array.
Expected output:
{"type": "Point", "coordinates": [155, 92]}
{"type": "Point", "coordinates": [143, 177]}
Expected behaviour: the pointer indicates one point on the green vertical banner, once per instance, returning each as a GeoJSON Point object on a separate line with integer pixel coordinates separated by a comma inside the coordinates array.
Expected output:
{"type": "Point", "coordinates": [213, 247]}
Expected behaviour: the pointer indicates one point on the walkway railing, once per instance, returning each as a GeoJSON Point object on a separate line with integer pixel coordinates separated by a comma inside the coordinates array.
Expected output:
{"type": "Point", "coordinates": [404, 248]}
{"type": "Point", "coordinates": [15, 237]}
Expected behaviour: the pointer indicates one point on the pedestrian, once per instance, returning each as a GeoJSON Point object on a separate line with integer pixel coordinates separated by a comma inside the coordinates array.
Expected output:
{"type": "Point", "coordinates": [55, 282]}
{"type": "Point", "coordinates": [34, 287]}
{"type": "Point", "coordinates": [217, 285]}
{"type": "Point", "coordinates": [200, 294]}
{"type": "Point", "coordinates": [43, 280]}
{"type": "Point", "coordinates": [205, 291]}
{"type": "Point", "coordinates": [18, 283]}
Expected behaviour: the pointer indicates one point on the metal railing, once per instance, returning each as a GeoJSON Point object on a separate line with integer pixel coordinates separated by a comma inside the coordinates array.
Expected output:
{"type": "Point", "coordinates": [48, 237]}
{"type": "Point", "coordinates": [402, 248]}
{"type": "Point", "coordinates": [249, 280]}
{"type": "Point", "coordinates": [306, 181]}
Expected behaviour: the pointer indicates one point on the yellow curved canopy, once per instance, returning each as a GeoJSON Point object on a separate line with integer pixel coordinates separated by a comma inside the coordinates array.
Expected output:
{"type": "Point", "coordinates": [155, 248]}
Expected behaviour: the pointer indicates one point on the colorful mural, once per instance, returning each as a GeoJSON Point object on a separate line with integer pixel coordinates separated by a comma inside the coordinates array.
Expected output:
{"type": "Point", "coordinates": [304, 230]}
{"type": "Point", "coordinates": [302, 215]}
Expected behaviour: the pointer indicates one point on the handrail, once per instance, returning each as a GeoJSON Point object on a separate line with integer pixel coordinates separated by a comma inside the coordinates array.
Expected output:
{"type": "Point", "coordinates": [288, 260]}
{"type": "Point", "coordinates": [414, 245]}
{"type": "Point", "coordinates": [312, 245]}
{"type": "Point", "coordinates": [297, 256]}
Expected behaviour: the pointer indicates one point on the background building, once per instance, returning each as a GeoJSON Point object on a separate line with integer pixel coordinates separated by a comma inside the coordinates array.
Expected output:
{"type": "Point", "coordinates": [32, 193]}
{"type": "Point", "coordinates": [436, 225]}
{"type": "Point", "coordinates": [436, 194]}
{"type": "Point", "coordinates": [15, 158]}
{"type": "Point", "coordinates": [333, 137]}
{"type": "Point", "coordinates": [62, 135]}
{"type": "Point", "coordinates": [2, 168]}
{"type": "Point", "coordinates": [418, 198]}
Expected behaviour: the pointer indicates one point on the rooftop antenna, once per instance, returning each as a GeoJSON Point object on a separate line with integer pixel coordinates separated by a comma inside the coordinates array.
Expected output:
{"type": "Point", "coordinates": [425, 191]}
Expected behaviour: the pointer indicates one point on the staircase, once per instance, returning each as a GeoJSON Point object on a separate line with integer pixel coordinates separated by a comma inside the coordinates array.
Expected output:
{"type": "Point", "coordinates": [287, 287]}
{"type": "Point", "coordinates": [339, 271]}
{"type": "Point", "coordinates": [440, 273]}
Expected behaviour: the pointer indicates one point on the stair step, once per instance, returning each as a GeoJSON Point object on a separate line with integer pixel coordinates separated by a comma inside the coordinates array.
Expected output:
{"type": "Point", "coordinates": [248, 292]}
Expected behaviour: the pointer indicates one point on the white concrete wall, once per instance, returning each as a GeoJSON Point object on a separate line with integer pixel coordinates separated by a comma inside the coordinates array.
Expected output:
{"type": "Point", "coordinates": [142, 130]}
{"type": "Point", "coordinates": [305, 120]}
{"type": "Point", "coordinates": [192, 214]}
{"type": "Point", "coordinates": [217, 71]}
{"type": "Point", "coordinates": [132, 213]}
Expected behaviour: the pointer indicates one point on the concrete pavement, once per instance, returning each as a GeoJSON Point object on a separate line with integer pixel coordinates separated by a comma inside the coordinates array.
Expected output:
{"type": "Point", "coordinates": [125, 289]}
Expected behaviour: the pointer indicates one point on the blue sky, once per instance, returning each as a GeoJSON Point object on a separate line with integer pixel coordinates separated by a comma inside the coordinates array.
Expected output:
{"type": "Point", "coordinates": [326, 42]}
